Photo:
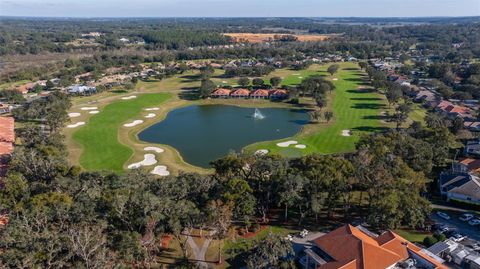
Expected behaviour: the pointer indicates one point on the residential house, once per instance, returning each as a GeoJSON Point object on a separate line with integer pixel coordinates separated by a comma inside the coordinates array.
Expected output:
{"type": "Point", "coordinates": [458, 185]}
{"type": "Point", "coordinates": [4, 108]}
{"type": "Point", "coordinates": [25, 88]}
{"type": "Point", "coordinates": [278, 94]}
{"type": "Point", "coordinates": [240, 93]}
{"type": "Point", "coordinates": [81, 89]}
{"type": "Point", "coordinates": [473, 126]}
{"type": "Point", "coordinates": [260, 94]}
{"type": "Point", "coordinates": [7, 139]}
{"type": "Point", "coordinates": [470, 165]}
{"type": "Point", "coordinates": [425, 96]}
{"type": "Point", "coordinates": [221, 93]}
{"type": "Point", "coordinates": [472, 148]}
{"type": "Point", "coordinates": [351, 247]}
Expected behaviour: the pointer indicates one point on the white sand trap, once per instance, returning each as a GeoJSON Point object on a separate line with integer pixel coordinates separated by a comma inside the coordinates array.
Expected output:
{"type": "Point", "coordinates": [75, 125]}
{"type": "Point", "coordinates": [261, 152]}
{"type": "Point", "coordinates": [148, 159]}
{"type": "Point", "coordinates": [300, 77]}
{"type": "Point", "coordinates": [74, 114]}
{"type": "Point", "coordinates": [160, 170]}
{"type": "Point", "coordinates": [152, 109]}
{"type": "Point", "coordinates": [94, 112]}
{"type": "Point", "coordinates": [150, 115]}
{"type": "Point", "coordinates": [129, 97]}
{"type": "Point", "coordinates": [335, 79]}
{"type": "Point", "coordinates": [287, 143]}
{"type": "Point", "coordinates": [296, 74]}
{"type": "Point", "coordinates": [301, 146]}
{"type": "Point", "coordinates": [346, 133]}
{"type": "Point", "coordinates": [89, 108]}
{"type": "Point", "coordinates": [133, 123]}
{"type": "Point", "coordinates": [156, 149]}
{"type": "Point", "coordinates": [224, 82]}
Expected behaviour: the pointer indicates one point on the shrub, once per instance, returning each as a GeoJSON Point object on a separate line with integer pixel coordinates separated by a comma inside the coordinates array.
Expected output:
{"type": "Point", "coordinates": [429, 241]}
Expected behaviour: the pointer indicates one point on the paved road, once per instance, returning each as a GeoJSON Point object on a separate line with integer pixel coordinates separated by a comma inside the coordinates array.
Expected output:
{"type": "Point", "coordinates": [472, 232]}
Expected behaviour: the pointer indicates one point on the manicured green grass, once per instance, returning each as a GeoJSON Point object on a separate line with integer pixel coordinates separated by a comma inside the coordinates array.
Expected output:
{"type": "Point", "coordinates": [412, 235]}
{"type": "Point", "coordinates": [99, 137]}
{"type": "Point", "coordinates": [418, 114]}
{"type": "Point", "coordinates": [354, 109]}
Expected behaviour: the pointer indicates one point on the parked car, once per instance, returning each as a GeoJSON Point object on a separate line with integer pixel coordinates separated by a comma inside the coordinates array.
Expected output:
{"type": "Point", "coordinates": [443, 215]}
{"type": "Point", "coordinates": [474, 222]}
{"type": "Point", "coordinates": [457, 237]}
{"type": "Point", "coordinates": [466, 217]}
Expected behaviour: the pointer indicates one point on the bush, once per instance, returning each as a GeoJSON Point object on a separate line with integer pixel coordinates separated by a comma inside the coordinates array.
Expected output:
{"type": "Point", "coordinates": [440, 237]}
{"type": "Point", "coordinates": [429, 241]}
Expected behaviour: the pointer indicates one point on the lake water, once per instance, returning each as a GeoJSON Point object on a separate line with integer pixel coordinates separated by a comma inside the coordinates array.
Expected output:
{"type": "Point", "coordinates": [204, 133]}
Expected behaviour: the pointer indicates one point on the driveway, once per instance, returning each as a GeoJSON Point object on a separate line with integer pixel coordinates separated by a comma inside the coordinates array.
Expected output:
{"type": "Point", "coordinates": [300, 243]}
{"type": "Point", "coordinates": [460, 226]}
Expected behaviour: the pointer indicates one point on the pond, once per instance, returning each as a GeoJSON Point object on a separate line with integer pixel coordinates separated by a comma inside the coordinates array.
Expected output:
{"type": "Point", "coordinates": [204, 133]}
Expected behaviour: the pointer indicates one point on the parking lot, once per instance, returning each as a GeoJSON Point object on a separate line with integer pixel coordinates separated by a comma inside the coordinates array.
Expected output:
{"type": "Point", "coordinates": [462, 227]}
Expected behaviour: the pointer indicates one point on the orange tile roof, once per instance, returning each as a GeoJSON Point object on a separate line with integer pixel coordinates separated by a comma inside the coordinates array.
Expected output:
{"type": "Point", "coordinates": [471, 164]}
{"type": "Point", "coordinates": [221, 91]}
{"type": "Point", "coordinates": [241, 92]}
{"type": "Point", "coordinates": [260, 93]}
{"type": "Point", "coordinates": [351, 248]}
{"type": "Point", "coordinates": [279, 92]}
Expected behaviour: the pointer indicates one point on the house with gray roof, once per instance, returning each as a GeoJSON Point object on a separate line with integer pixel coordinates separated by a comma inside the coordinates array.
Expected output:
{"type": "Point", "coordinates": [459, 185]}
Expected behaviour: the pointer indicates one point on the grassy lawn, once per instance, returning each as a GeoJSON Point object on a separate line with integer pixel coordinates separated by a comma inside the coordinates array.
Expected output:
{"type": "Point", "coordinates": [355, 109]}
{"type": "Point", "coordinates": [99, 137]}
{"type": "Point", "coordinates": [412, 235]}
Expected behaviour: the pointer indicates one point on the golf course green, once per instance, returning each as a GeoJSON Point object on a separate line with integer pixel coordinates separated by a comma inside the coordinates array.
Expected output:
{"type": "Point", "coordinates": [99, 137]}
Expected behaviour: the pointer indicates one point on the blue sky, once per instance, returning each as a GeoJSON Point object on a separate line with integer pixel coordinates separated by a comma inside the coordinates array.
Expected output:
{"type": "Point", "coordinates": [239, 8]}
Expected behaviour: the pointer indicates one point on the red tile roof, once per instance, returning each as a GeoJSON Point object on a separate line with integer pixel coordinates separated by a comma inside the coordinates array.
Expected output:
{"type": "Point", "coordinates": [221, 92]}
{"type": "Point", "coordinates": [262, 93]}
{"type": "Point", "coordinates": [351, 248]}
{"type": "Point", "coordinates": [473, 165]}
{"type": "Point", "coordinates": [278, 93]}
{"type": "Point", "coordinates": [241, 92]}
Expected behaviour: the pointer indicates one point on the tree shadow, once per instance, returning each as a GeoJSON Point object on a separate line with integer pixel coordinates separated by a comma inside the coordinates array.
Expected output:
{"type": "Point", "coordinates": [368, 106]}
{"type": "Point", "coordinates": [351, 69]}
{"type": "Point", "coordinates": [366, 99]}
{"type": "Point", "coordinates": [118, 91]}
{"type": "Point", "coordinates": [360, 91]}
{"type": "Point", "coordinates": [377, 117]}
{"type": "Point", "coordinates": [370, 129]}
{"type": "Point", "coordinates": [189, 94]}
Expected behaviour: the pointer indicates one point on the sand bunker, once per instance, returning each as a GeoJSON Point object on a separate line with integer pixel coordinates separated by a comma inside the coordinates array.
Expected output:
{"type": "Point", "coordinates": [287, 143]}
{"type": "Point", "coordinates": [129, 97]}
{"type": "Point", "coordinates": [75, 125]}
{"type": "Point", "coordinates": [261, 152]}
{"type": "Point", "coordinates": [296, 74]}
{"type": "Point", "coordinates": [148, 159]}
{"type": "Point", "coordinates": [89, 108]}
{"type": "Point", "coordinates": [156, 149]}
{"type": "Point", "coordinates": [152, 109]}
{"type": "Point", "coordinates": [151, 115]}
{"type": "Point", "coordinates": [300, 77]}
{"type": "Point", "coordinates": [94, 112]}
{"type": "Point", "coordinates": [133, 123]}
{"type": "Point", "coordinates": [160, 170]}
{"type": "Point", "coordinates": [301, 146]}
{"type": "Point", "coordinates": [335, 79]}
{"type": "Point", "coordinates": [74, 114]}
{"type": "Point", "coordinates": [346, 133]}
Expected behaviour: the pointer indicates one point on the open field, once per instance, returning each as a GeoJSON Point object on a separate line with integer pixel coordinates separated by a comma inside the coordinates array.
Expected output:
{"type": "Point", "coordinates": [260, 38]}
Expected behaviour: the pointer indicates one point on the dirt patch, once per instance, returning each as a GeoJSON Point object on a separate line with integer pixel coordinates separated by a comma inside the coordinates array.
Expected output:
{"type": "Point", "coordinates": [261, 38]}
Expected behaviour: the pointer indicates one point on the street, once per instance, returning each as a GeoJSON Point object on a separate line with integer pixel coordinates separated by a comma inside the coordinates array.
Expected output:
{"type": "Point", "coordinates": [460, 226]}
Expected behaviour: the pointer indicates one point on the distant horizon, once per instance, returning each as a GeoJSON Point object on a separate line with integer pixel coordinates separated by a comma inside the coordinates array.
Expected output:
{"type": "Point", "coordinates": [239, 9]}
{"type": "Point", "coordinates": [239, 17]}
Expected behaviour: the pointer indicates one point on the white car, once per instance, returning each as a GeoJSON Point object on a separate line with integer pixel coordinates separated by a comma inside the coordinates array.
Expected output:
{"type": "Point", "coordinates": [458, 237]}
{"type": "Point", "coordinates": [474, 222]}
{"type": "Point", "coordinates": [443, 215]}
{"type": "Point", "coordinates": [466, 217]}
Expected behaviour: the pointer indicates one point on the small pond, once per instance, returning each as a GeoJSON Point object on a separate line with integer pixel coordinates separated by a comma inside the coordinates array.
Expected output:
{"type": "Point", "coordinates": [204, 133]}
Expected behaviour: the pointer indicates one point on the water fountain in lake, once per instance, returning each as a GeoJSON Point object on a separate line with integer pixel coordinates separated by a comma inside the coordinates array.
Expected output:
{"type": "Point", "coordinates": [258, 115]}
